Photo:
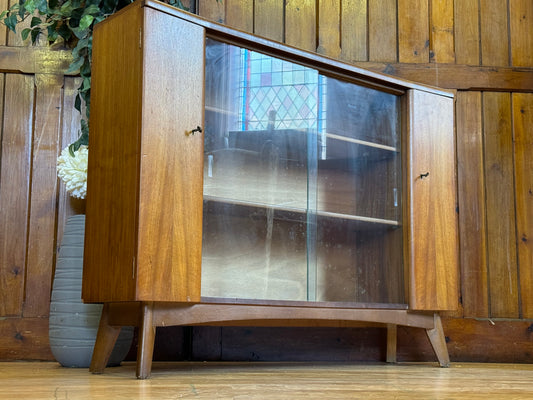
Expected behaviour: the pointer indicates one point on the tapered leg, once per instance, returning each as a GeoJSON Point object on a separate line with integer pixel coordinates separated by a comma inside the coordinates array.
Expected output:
{"type": "Point", "coordinates": [146, 341]}
{"type": "Point", "coordinates": [105, 341]}
{"type": "Point", "coordinates": [438, 341]}
{"type": "Point", "coordinates": [392, 330]}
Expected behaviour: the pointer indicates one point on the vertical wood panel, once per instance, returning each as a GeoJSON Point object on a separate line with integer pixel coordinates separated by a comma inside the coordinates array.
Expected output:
{"type": "Point", "coordinates": [441, 20]}
{"type": "Point", "coordinates": [42, 224]}
{"type": "Point", "coordinates": [212, 10]}
{"type": "Point", "coordinates": [494, 32]}
{"type": "Point", "coordinates": [467, 46]}
{"type": "Point", "coordinates": [413, 31]}
{"type": "Point", "coordinates": [329, 40]}
{"type": "Point", "coordinates": [523, 139]}
{"type": "Point", "coordinates": [3, 30]}
{"type": "Point", "coordinates": [501, 245]}
{"type": "Point", "coordinates": [240, 15]}
{"type": "Point", "coordinates": [300, 24]}
{"type": "Point", "coordinates": [471, 191]}
{"type": "Point", "coordinates": [521, 16]}
{"type": "Point", "coordinates": [382, 23]}
{"type": "Point", "coordinates": [354, 28]}
{"type": "Point", "coordinates": [268, 19]}
{"type": "Point", "coordinates": [14, 191]}
{"type": "Point", "coordinates": [2, 93]}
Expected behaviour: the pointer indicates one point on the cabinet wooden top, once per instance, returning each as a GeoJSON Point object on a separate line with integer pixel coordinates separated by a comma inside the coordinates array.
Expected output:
{"type": "Point", "coordinates": [325, 65]}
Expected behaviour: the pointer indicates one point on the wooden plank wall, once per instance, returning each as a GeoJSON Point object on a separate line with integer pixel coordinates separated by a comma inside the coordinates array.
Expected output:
{"type": "Point", "coordinates": [37, 120]}
{"type": "Point", "coordinates": [483, 49]}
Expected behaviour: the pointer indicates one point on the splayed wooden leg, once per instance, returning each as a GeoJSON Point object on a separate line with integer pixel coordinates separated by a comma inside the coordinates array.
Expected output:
{"type": "Point", "coordinates": [438, 341]}
{"type": "Point", "coordinates": [105, 342]}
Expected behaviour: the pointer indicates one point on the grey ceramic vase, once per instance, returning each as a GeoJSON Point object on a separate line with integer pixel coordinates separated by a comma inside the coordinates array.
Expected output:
{"type": "Point", "coordinates": [73, 325]}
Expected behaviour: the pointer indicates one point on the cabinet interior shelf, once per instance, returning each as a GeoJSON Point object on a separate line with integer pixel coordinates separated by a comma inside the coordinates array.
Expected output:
{"type": "Point", "coordinates": [361, 142]}
{"type": "Point", "coordinates": [364, 222]}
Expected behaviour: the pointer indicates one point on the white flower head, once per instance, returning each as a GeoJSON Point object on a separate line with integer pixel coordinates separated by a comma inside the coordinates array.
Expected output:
{"type": "Point", "coordinates": [73, 171]}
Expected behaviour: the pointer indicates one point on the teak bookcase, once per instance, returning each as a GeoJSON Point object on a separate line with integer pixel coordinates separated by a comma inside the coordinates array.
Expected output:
{"type": "Point", "coordinates": [238, 181]}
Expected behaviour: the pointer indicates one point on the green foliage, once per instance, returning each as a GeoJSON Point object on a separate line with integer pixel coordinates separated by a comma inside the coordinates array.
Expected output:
{"type": "Point", "coordinates": [70, 22]}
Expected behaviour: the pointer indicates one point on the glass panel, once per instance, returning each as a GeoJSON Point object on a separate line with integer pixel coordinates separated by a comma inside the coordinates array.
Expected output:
{"type": "Point", "coordinates": [301, 184]}
{"type": "Point", "coordinates": [359, 243]}
{"type": "Point", "coordinates": [257, 134]}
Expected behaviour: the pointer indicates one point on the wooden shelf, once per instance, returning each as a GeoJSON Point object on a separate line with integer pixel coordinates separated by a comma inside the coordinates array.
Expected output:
{"type": "Point", "coordinates": [361, 142]}
{"type": "Point", "coordinates": [367, 222]}
{"type": "Point", "coordinates": [219, 110]}
{"type": "Point", "coordinates": [344, 147]}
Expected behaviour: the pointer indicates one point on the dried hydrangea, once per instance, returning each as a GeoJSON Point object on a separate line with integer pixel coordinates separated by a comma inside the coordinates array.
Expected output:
{"type": "Point", "coordinates": [73, 171]}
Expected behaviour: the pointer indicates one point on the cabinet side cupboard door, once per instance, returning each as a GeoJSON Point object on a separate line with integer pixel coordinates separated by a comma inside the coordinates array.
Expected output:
{"type": "Point", "coordinates": [144, 203]}
{"type": "Point", "coordinates": [431, 251]}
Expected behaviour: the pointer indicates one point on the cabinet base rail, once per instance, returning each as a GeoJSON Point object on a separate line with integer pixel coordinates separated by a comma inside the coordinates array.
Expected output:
{"type": "Point", "coordinates": [149, 315]}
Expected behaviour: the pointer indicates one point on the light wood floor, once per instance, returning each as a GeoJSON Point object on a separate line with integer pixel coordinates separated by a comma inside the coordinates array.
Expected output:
{"type": "Point", "coordinates": [34, 380]}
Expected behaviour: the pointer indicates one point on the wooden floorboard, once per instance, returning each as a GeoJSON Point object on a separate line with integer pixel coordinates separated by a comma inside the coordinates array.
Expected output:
{"type": "Point", "coordinates": [186, 380]}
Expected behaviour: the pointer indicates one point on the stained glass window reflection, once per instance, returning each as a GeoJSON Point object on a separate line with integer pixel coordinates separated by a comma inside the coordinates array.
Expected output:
{"type": "Point", "coordinates": [277, 94]}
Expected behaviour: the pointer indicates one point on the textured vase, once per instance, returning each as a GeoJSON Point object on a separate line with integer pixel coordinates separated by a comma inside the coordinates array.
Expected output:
{"type": "Point", "coordinates": [73, 325]}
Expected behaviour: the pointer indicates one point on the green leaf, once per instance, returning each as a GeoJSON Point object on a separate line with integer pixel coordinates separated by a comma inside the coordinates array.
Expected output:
{"type": "Point", "coordinates": [84, 129]}
{"type": "Point", "coordinates": [93, 9]}
{"type": "Point", "coordinates": [42, 6]}
{"type": "Point", "coordinates": [64, 31]}
{"type": "Point", "coordinates": [21, 11]}
{"type": "Point", "coordinates": [86, 85]}
{"type": "Point", "coordinates": [83, 139]}
{"type": "Point", "coordinates": [80, 33]}
{"type": "Point", "coordinates": [75, 65]}
{"type": "Point", "coordinates": [81, 48]}
{"type": "Point", "coordinates": [85, 22]}
{"type": "Point", "coordinates": [34, 35]}
{"type": "Point", "coordinates": [25, 33]}
{"type": "Point", "coordinates": [11, 22]}
{"type": "Point", "coordinates": [66, 9]}
{"type": "Point", "coordinates": [29, 6]}
{"type": "Point", "coordinates": [85, 69]}
{"type": "Point", "coordinates": [52, 35]}
{"type": "Point", "coordinates": [109, 6]}
{"type": "Point", "coordinates": [77, 102]}
{"type": "Point", "coordinates": [76, 4]}
{"type": "Point", "coordinates": [35, 21]}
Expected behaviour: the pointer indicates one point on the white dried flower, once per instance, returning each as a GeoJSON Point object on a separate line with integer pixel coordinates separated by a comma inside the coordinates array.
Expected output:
{"type": "Point", "coordinates": [73, 171]}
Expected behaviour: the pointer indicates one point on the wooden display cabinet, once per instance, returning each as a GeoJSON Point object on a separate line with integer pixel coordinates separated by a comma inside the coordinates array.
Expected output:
{"type": "Point", "coordinates": [234, 180]}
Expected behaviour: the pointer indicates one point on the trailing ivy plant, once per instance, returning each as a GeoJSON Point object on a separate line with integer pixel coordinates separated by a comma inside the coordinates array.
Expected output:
{"type": "Point", "coordinates": [71, 23]}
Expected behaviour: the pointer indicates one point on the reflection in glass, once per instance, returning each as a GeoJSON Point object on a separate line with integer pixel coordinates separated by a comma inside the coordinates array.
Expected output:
{"type": "Point", "coordinates": [301, 183]}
